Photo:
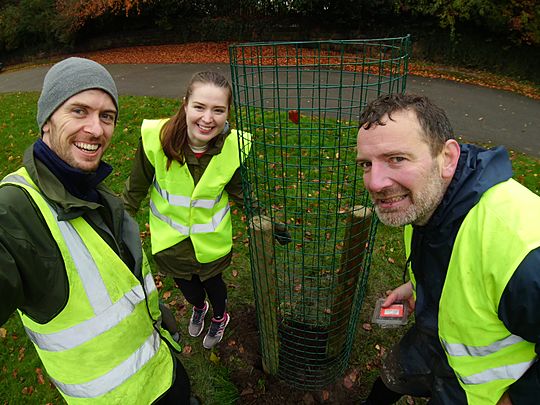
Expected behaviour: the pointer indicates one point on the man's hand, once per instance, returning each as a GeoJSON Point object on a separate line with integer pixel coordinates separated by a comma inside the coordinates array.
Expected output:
{"type": "Point", "coordinates": [403, 293]}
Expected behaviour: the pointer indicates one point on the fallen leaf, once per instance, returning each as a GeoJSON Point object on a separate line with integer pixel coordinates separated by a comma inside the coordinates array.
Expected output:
{"type": "Point", "coordinates": [308, 399]}
{"type": "Point", "coordinates": [39, 373]}
{"type": "Point", "coordinates": [353, 375]}
{"type": "Point", "coordinates": [166, 295]}
{"type": "Point", "coordinates": [246, 391]}
{"type": "Point", "coordinates": [3, 333]}
{"type": "Point", "coordinates": [325, 395]}
{"type": "Point", "coordinates": [214, 358]}
{"type": "Point", "coordinates": [294, 116]}
{"type": "Point", "coordinates": [366, 326]}
{"type": "Point", "coordinates": [180, 313]}
{"type": "Point", "coordinates": [235, 273]}
{"type": "Point", "coordinates": [22, 350]}
{"type": "Point", "coordinates": [187, 349]}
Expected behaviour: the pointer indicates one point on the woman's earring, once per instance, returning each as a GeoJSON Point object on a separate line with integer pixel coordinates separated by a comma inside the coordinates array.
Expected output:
{"type": "Point", "coordinates": [225, 128]}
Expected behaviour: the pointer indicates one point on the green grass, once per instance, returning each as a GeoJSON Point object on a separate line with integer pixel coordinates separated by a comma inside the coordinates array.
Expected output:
{"type": "Point", "coordinates": [20, 369]}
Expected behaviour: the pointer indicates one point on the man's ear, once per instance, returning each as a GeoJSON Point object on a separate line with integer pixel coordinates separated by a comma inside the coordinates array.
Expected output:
{"type": "Point", "coordinates": [45, 131]}
{"type": "Point", "coordinates": [449, 158]}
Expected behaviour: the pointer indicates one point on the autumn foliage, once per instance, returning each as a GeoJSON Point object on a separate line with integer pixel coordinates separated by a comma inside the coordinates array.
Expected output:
{"type": "Point", "coordinates": [79, 11]}
{"type": "Point", "coordinates": [217, 52]}
{"type": "Point", "coordinates": [490, 34]}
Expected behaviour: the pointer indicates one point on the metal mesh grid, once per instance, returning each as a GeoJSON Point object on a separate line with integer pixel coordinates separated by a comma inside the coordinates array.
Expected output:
{"type": "Point", "coordinates": [301, 102]}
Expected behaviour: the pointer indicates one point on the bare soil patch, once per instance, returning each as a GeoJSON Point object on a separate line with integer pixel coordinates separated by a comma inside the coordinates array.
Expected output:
{"type": "Point", "coordinates": [256, 387]}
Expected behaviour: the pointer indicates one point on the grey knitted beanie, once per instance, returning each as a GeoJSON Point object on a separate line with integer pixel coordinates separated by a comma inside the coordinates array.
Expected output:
{"type": "Point", "coordinates": [70, 77]}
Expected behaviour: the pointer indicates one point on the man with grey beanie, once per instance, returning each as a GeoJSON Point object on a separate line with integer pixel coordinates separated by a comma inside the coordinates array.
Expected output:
{"type": "Point", "coordinates": [71, 260]}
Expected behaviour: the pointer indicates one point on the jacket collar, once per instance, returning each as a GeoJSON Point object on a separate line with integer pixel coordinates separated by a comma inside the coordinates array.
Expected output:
{"type": "Point", "coordinates": [477, 171]}
{"type": "Point", "coordinates": [67, 205]}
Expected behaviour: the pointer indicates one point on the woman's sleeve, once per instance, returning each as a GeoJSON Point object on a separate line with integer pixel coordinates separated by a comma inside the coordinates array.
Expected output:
{"type": "Point", "coordinates": [138, 182]}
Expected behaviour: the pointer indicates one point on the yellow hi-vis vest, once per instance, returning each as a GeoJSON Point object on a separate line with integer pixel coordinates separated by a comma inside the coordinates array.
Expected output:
{"type": "Point", "coordinates": [179, 209]}
{"type": "Point", "coordinates": [485, 356]}
{"type": "Point", "coordinates": [104, 347]}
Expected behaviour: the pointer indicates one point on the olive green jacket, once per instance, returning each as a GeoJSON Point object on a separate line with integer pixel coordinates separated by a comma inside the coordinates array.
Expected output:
{"type": "Point", "coordinates": [32, 273]}
{"type": "Point", "coordinates": [179, 260]}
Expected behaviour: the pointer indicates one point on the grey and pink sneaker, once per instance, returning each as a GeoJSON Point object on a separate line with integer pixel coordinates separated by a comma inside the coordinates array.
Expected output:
{"type": "Point", "coordinates": [216, 330]}
{"type": "Point", "coordinates": [196, 323]}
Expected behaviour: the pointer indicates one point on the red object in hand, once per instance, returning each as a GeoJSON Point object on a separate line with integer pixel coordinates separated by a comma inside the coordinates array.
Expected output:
{"type": "Point", "coordinates": [393, 311]}
{"type": "Point", "coordinates": [294, 116]}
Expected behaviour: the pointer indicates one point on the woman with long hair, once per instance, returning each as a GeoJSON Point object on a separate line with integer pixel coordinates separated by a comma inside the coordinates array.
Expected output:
{"type": "Point", "coordinates": [190, 164]}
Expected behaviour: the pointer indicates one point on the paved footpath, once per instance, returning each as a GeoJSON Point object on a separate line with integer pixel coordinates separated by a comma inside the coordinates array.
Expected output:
{"type": "Point", "coordinates": [477, 113]}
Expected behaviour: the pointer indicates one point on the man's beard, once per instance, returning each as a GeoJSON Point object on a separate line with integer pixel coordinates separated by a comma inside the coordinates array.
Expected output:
{"type": "Point", "coordinates": [423, 204]}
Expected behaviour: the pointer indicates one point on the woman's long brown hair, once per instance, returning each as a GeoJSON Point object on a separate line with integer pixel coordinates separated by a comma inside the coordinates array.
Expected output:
{"type": "Point", "coordinates": [174, 133]}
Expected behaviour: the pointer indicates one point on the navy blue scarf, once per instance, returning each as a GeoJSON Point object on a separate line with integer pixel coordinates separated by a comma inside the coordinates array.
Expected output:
{"type": "Point", "coordinates": [78, 183]}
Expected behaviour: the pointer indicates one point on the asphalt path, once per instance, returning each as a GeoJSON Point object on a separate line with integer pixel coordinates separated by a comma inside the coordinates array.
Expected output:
{"type": "Point", "coordinates": [478, 114]}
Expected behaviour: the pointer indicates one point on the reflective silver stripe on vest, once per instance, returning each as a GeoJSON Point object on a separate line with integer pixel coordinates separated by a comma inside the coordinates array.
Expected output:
{"type": "Point", "coordinates": [149, 284]}
{"type": "Point", "coordinates": [511, 372]}
{"type": "Point", "coordinates": [196, 228]}
{"type": "Point", "coordinates": [459, 349]}
{"type": "Point", "coordinates": [107, 316]}
{"type": "Point", "coordinates": [87, 330]}
{"type": "Point", "coordinates": [86, 268]}
{"type": "Point", "coordinates": [184, 230]}
{"type": "Point", "coordinates": [92, 282]}
{"type": "Point", "coordinates": [117, 375]}
{"type": "Point", "coordinates": [206, 203]}
{"type": "Point", "coordinates": [15, 178]}
{"type": "Point", "coordinates": [176, 200]}
{"type": "Point", "coordinates": [183, 201]}
{"type": "Point", "coordinates": [212, 226]}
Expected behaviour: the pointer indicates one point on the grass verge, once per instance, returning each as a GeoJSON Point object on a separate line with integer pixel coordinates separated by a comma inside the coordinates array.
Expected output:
{"type": "Point", "coordinates": [22, 378]}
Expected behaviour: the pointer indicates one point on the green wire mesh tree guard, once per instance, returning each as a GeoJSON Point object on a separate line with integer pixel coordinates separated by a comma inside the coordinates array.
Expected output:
{"type": "Point", "coordinates": [301, 102]}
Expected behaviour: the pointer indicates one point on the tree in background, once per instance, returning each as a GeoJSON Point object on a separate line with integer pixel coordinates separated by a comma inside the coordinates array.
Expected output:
{"type": "Point", "coordinates": [524, 18]}
{"type": "Point", "coordinates": [520, 19]}
{"type": "Point", "coordinates": [27, 22]}
{"type": "Point", "coordinates": [491, 34]}
{"type": "Point", "coordinates": [44, 24]}
{"type": "Point", "coordinates": [77, 12]}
